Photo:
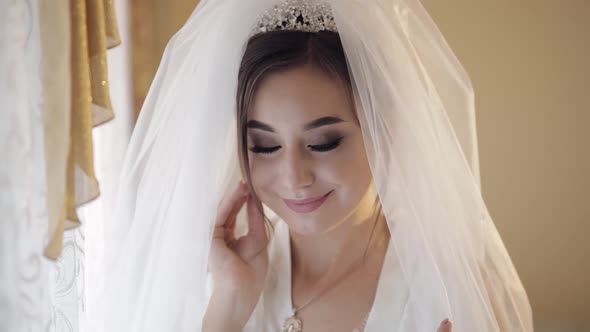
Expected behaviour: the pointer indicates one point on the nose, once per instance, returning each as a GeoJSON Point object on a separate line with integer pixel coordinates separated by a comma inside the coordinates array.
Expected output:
{"type": "Point", "coordinates": [298, 172]}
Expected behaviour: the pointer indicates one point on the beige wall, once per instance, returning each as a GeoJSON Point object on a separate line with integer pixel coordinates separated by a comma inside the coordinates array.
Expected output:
{"type": "Point", "coordinates": [530, 65]}
{"type": "Point", "coordinates": [528, 60]}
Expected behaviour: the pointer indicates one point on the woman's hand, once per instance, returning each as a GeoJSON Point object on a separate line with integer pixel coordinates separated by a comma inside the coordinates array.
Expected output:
{"type": "Point", "coordinates": [445, 326]}
{"type": "Point", "coordinates": [238, 266]}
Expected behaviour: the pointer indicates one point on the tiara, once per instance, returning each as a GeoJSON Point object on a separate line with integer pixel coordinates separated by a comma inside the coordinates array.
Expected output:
{"type": "Point", "coordinates": [298, 15]}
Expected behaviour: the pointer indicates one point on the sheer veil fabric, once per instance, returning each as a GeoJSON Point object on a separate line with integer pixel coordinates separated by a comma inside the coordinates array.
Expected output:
{"type": "Point", "coordinates": [415, 104]}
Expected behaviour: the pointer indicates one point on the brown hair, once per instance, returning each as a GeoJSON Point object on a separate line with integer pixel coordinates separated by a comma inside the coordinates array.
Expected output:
{"type": "Point", "coordinates": [278, 51]}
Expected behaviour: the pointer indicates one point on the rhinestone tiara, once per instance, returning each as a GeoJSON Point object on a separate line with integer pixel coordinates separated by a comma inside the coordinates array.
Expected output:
{"type": "Point", "coordinates": [298, 15]}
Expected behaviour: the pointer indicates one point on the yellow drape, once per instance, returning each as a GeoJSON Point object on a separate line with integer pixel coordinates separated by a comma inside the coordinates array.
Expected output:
{"type": "Point", "coordinates": [93, 30]}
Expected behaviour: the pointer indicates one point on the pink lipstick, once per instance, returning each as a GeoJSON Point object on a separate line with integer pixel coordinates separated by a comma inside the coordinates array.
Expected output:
{"type": "Point", "coordinates": [306, 205]}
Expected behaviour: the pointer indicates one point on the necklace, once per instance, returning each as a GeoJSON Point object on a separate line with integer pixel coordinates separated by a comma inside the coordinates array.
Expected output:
{"type": "Point", "coordinates": [293, 323]}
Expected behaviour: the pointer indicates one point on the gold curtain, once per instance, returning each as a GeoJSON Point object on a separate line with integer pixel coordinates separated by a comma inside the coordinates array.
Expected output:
{"type": "Point", "coordinates": [153, 22]}
{"type": "Point", "coordinates": [93, 30]}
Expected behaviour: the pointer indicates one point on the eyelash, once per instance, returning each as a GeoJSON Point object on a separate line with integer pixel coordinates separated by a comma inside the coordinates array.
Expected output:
{"type": "Point", "coordinates": [317, 148]}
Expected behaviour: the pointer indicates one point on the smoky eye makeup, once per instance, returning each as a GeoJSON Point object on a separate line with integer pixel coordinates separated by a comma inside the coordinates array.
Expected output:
{"type": "Point", "coordinates": [326, 142]}
{"type": "Point", "coordinates": [261, 144]}
{"type": "Point", "coordinates": [329, 145]}
{"type": "Point", "coordinates": [320, 143]}
{"type": "Point", "coordinates": [264, 150]}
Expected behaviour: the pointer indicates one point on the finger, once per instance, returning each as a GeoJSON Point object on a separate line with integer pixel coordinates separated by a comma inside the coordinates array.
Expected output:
{"type": "Point", "coordinates": [250, 245]}
{"type": "Point", "coordinates": [231, 218]}
{"type": "Point", "coordinates": [229, 202]}
{"type": "Point", "coordinates": [445, 326]}
{"type": "Point", "coordinates": [228, 228]}
{"type": "Point", "coordinates": [256, 225]}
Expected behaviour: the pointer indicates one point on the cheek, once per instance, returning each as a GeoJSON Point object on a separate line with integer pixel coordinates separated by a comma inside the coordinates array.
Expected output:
{"type": "Point", "coordinates": [348, 166]}
{"type": "Point", "coordinates": [263, 174]}
{"type": "Point", "coordinates": [353, 178]}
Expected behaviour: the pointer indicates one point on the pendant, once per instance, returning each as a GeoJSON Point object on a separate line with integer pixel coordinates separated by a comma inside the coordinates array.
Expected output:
{"type": "Point", "coordinates": [293, 324]}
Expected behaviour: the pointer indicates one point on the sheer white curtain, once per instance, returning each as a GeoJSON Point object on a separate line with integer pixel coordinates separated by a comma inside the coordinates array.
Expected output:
{"type": "Point", "coordinates": [110, 144]}
{"type": "Point", "coordinates": [78, 294]}
{"type": "Point", "coordinates": [66, 284]}
{"type": "Point", "coordinates": [23, 209]}
{"type": "Point", "coordinates": [37, 294]}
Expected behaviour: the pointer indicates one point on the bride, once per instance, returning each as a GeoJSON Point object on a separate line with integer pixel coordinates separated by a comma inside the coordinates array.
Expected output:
{"type": "Point", "coordinates": [346, 129]}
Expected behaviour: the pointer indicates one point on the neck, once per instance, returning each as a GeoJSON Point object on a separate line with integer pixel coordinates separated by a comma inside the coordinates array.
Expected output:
{"type": "Point", "coordinates": [341, 248]}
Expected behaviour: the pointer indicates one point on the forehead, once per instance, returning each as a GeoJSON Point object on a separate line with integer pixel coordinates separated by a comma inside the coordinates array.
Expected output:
{"type": "Point", "coordinates": [300, 95]}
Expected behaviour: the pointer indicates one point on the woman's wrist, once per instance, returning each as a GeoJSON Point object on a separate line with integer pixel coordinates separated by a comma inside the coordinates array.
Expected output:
{"type": "Point", "coordinates": [226, 312]}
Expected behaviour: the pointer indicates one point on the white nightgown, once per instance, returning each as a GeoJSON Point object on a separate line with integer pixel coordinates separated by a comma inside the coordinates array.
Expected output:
{"type": "Point", "coordinates": [274, 305]}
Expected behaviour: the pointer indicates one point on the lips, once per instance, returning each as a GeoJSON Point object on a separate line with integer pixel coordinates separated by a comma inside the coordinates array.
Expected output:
{"type": "Point", "coordinates": [306, 205]}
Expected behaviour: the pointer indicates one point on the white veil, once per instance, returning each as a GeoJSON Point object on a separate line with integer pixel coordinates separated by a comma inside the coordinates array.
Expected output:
{"type": "Point", "coordinates": [416, 108]}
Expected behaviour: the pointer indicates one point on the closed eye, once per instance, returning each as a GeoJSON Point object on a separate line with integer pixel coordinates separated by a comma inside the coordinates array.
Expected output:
{"type": "Point", "coordinates": [326, 147]}
{"type": "Point", "coordinates": [317, 148]}
{"type": "Point", "coordinates": [262, 149]}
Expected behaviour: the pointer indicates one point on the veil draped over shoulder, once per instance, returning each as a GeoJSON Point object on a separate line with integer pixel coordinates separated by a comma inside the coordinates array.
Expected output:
{"type": "Point", "coordinates": [416, 109]}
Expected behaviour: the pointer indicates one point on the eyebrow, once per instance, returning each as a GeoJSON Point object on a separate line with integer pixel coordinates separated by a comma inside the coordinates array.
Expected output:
{"type": "Point", "coordinates": [324, 121]}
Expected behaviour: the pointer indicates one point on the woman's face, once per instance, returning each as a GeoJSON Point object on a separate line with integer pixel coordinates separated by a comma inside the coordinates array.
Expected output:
{"type": "Point", "coordinates": [306, 152]}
